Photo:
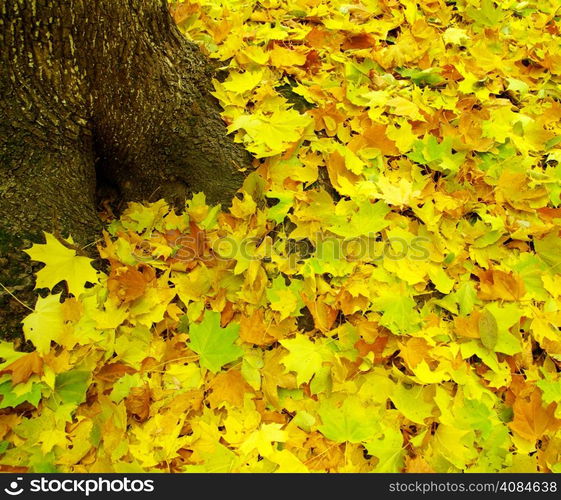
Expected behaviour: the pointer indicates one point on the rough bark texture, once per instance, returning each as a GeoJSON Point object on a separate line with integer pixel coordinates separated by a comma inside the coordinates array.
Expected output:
{"type": "Point", "coordinates": [98, 91]}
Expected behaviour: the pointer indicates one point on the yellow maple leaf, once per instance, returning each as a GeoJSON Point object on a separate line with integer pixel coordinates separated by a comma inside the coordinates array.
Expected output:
{"type": "Point", "coordinates": [398, 194]}
{"type": "Point", "coordinates": [50, 438]}
{"type": "Point", "coordinates": [62, 264]}
{"type": "Point", "coordinates": [272, 134]}
{"type": "Point", "coordinates": [44, 324]}
{"type": "Point", "coordinates": [281, 57]}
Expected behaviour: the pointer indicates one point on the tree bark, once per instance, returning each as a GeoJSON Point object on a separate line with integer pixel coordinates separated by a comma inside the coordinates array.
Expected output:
{"type": "Point", "coordinates": [98, 91]}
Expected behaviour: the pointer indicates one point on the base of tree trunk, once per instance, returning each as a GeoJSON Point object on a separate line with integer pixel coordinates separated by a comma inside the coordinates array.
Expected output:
{"type": "Point", "coordinates": [93, 94]}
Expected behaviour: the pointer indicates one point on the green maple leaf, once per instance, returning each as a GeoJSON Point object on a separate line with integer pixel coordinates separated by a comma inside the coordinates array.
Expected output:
{"type": "Point", "coordinates": [279, 211]}
{"type": "Point", "coordinates": [549, 249]}
{"type": "Point", "coordinates": [220, 460]}
{"type": "Point", "coordinates": [123, 386]}
{"type": "Point", "coordinates": [465, 296]}
{"type": "Point", "coordinates": [475, 415]}
{"type": "Point", "coordinates": [214, 345]}
{"type": "Point", "coordinates": [429, 76]}
{"type": "Point", "coordinates": [11, 400]}
{"type": "Point", "coordinates": [71, 386]}
{"type": "Point", "coordinates": [8, 353]}
{"type": "Point", "coordinates": [43, 463]}
{"type": "Point", "coordinates": [437, 155]}
{"type": "Point", "coordinates": [551, 389]}
{"type": "Point", "coordinates": [347, 421]}
{"type": "Point", "coordinates": [62, 264]}
{"type": "Point", "coordinates": [502, 318]}
{"type": "Point", "coordinates": [388, 449]}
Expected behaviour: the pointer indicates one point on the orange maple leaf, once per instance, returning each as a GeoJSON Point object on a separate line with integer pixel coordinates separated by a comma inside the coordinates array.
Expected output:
{"type": "Point", "coordinates": [138, 403]}
{"type": "Point", "coordinates": [129, 283]}
{"type": "Point", "coordinates": [114, 371]}
{"type": "Point", "coordinates": [24, 367]}
{"type": "Point", "coordinates": [497, 285]}
{"type": "Point", "coordinates": [254, 329]}
{"type": "Point", "coordinates": [228, 387]}
{"type": "Point", "coordinates": [531, 419]}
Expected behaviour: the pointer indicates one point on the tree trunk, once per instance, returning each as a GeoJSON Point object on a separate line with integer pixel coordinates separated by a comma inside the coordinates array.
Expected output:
{"type": "Point", "coordinates": [98, 91]}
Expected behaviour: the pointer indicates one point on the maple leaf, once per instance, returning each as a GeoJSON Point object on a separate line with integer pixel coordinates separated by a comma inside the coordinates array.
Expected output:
{"type": "Point", "coordinates": [24, 367]}
{"type": "Point", "coordinates": [399, 194]}
{"type": "Point", "coordinates": [10, 398]}
{"type": "Point", "coordinates": [417, 465]}
{"type": "Point", "coordinates": [495, 284]}
{"type": "Point", "coordinates": [429, 76]}
{"type": "Point", "coordinates": [399, 314]}
{"type": "Point", "coordinates": [368, 220]}
{"type": "Point", "coordinates": [138, 403]}
{"type": "Point", "coordinates": [389, 451]}
{"type": "Point", "coordinates": [285, 299]}
{"type": "Point", "coordinates": [255, 330]}
{"type": "Point", "coordinates": [240, 83]}
{"type": "Point", "coordinates": [228, 387]}
{"type": "Point", "coordinates": [348, 420]}
{"type": "Point", "coordinates": [215, 346]}
{"type": "Point", "coordinates": [45, 323]}
{"type": "Point", "coordinates": [62, 264]}
{"type": "Point", "coordinates": [128, 283]}
{"type": "Point", "coordinates": [324, 315]}
{"type": "Point", "coordinates": [271, 135]}
{"type": "Point", "coordinates": [305, 357]}
{"type": "Point", "coordinates": [531, 420]}
{"type": "Point", "coordinates": [279, 211]}
{"type": "Point", "coordinates": [220, 460]}
{"type": "Point", "coordinates": [141, 217]}
{"type": "Point", "coordinates": [275, 376]}
{"type": "Point", "coordinates": [412, 403]}
{"type": "Point", "coordinates": [71, 386]}
{"type": "Point", "coordinates": [262, 439]}
{"type": "Point", "coordinates": [465, 296]}
{"type": "Point", "coordinates": [50, 438]}
{"type": "Point", "coordinates": [487, 14]}
{"type": "Point", "coordinates": [9, 353]}
{"type": "Point", "coordinates": [124, 385]}
{"type": "Point", "coordinates": [114, 371]}
{"type": "Point", "coordinates": [251, 369]}
{"type": "Point", "coordinates": [437, 155]}
{"type": "Point", "coordinates": [282, 57]}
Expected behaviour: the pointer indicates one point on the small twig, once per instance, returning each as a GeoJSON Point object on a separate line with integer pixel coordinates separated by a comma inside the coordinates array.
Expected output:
{"type": "Point", "coordinates": [92, 243]}
{"type": "Point", "coordinates": [14, 297]}
{"type": "Point", "coordinates": [71, 246]}
{"type": "Point", "coordinates": [154, 192]}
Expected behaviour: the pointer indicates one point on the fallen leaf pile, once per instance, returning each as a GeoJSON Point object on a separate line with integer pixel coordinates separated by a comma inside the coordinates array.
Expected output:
{"type": "Point", "coordinates": [383, 296]}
